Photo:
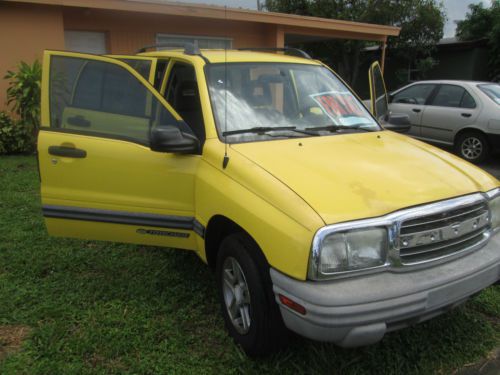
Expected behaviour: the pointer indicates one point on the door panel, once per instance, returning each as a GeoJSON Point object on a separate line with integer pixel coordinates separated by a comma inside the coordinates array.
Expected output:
{"type": "Point", "coordinates": [100, 180]}
{"type": "Point", "coordinates": [411, 101]}
{"type": "Point", "coordinates": [451, 109]}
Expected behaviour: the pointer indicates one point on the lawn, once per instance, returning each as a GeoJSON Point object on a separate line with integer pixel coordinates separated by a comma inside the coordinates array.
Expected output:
{"type": "Point", "coordinates": [69, 306]}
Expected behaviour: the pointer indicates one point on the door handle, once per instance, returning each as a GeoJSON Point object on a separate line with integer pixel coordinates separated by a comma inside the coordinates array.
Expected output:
{"type": "Point", "coordinates": [466, 115]}
{"type": "Point", "coordinates": [416, 110]}
{"type": "Point", "coordinates": [68, 152]}
{"type": "Point", "coordinates": [79, 121]}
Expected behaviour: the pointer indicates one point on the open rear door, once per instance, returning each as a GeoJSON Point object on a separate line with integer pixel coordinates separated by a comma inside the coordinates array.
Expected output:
{"type": "Point", "coordinates": [151, 68]}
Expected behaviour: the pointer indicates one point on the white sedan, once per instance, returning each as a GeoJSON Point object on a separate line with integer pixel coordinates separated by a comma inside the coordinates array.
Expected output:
{"type": "Point", "coordinates": [464, 114]}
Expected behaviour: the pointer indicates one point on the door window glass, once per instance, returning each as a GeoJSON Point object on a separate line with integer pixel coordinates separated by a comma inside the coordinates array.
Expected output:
{"type": "Point", "coordinates": [416, 94]}
{"type": "Point", "coordinates": [448, 96]}
{"type": "Point", "coordinates": [468, 101]}
{"type": "Point", "coordinates": [183, 95]}
{"type": "Point", "coordinates": [102, 99]}
{"type": "Point", "coordinates": [379, 92]}
{"type": "Point", "coordinates": [143, 67]}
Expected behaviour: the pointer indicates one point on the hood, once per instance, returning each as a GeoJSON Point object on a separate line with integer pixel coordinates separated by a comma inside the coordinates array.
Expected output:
{"type": "Point", "coordinates": [361, 175]}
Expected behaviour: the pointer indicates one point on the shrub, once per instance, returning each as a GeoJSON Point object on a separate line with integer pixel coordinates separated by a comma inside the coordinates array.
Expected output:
{"type": "Point", "coordinates": [15, 136]}
{"type": "Point", "coordinates": [23, 95]}
{"type": "Point", "coordinates": [24, 92]}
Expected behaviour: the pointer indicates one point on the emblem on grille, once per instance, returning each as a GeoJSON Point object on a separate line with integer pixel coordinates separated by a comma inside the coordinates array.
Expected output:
{"type": "Point", "coordinates": [445, 232]}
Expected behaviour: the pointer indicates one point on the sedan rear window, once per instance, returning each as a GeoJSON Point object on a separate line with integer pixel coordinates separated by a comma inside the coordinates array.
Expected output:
{"type": "Point", "coordinates": [492, 90]}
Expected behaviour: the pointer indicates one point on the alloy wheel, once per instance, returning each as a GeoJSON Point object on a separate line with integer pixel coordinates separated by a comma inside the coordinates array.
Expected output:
{"type": "Point", "coordinates": [472, 148]}
{"type": "Point", "coordinates": [236, 295]}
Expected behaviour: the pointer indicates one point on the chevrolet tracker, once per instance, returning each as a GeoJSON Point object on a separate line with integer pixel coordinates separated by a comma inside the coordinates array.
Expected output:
{"type": "Point", "coordinates": [315, 216]}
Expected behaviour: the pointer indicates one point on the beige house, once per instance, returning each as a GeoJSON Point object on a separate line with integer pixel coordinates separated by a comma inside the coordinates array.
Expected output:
{"type": "Point", "coordinates": [27, 27]}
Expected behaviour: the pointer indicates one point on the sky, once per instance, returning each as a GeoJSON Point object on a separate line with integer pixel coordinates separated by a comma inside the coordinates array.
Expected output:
{"type": "Point", "coordinates": [455, 9]}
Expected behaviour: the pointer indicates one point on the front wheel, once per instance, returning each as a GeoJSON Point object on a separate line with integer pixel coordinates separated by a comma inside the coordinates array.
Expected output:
{"type": "Point", "coordinates": [250, 312]}
{"type": "Point", "coordinates": [472, 146]}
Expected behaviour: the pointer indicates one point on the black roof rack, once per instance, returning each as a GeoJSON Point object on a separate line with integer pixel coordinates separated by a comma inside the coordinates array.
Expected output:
{"type": "Point", "coordinates": [297, 51]}
{"type": "Point", "coordinates": [189, 48]}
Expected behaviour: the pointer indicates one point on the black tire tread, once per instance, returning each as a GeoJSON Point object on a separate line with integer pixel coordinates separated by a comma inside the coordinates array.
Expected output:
{"type": "Point", "coordinates": [267, 332]}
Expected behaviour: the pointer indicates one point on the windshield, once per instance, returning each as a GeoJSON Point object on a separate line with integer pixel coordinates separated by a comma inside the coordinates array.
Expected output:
{"type": "Point", "coordinates": [259, 101]}
{"type": "Point", "coordinates": [492, 90]}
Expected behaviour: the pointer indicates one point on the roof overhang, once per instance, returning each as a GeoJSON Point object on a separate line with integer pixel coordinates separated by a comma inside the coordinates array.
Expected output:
{"type": "Point", "coordinates": [292, 24]}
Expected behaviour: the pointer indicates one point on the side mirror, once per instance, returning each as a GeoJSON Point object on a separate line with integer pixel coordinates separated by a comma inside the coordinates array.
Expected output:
{"type": "Point", "coordinates": [171, 139]}
{"type": "Point", "coordinates": [397, 122]}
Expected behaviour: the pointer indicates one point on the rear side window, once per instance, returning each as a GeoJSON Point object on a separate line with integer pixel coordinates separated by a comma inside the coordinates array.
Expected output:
{"type": "Point", "coordinates": [102, 99]}
{"type": "Point", "coordinates": [416, 94]}
{"type": "Point", "coordinates": [453, 96]}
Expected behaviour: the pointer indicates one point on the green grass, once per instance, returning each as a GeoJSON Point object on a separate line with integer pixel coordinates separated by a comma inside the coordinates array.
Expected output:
{"type": "Point", "coordinates": [95, 307]}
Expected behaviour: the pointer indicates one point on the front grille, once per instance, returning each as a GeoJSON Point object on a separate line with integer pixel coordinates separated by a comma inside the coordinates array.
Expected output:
{"type": "Point", "coordinates": [435, 236]}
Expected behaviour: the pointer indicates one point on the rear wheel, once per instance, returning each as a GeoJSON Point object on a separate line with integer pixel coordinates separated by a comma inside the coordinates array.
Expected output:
{"type": "Point", "coordinates": [250, 312]}
{"type": "Point", "coordinates": [472, 146]}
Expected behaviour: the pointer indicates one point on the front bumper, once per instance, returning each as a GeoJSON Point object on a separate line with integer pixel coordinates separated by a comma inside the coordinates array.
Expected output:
{"type": "Point", "coordinates": [359, 311]}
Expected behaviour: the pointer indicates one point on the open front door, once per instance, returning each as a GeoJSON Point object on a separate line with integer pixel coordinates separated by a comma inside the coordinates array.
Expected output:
{"type": "Point", "coordinates": [99, 177]}
{"type": "Point", "coordinates": [378, 93]}
{"type": "Point", "coordinates": [380, 103]}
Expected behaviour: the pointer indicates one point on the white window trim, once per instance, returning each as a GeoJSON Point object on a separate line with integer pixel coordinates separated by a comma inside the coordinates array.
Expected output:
{"type": "Point", "coordinates": [162, 35]}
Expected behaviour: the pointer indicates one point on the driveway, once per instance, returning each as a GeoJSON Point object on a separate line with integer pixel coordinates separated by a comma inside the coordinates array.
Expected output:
{"type": "Point", "coordinates": [492, 166]}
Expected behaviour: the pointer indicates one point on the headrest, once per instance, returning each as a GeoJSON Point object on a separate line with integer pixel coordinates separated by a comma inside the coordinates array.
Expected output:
{"type": "Point", "coordinates": [258, 94]}
{"type": "Point", "coordinates": [186, 96]}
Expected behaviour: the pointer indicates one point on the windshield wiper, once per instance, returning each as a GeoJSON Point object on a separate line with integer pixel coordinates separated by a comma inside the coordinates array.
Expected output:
{"type": "Point", "coordinates": [258, 130]}
{"type": "Point", "coordinates": [334, 128]}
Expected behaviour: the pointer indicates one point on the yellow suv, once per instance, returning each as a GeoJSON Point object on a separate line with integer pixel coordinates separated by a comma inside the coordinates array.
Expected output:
{"type": "Point", "coordinates": [315, 218]}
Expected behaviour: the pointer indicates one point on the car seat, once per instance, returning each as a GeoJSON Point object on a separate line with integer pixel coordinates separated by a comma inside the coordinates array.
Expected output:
{"type": "Point", "coordinates": [187, 104]}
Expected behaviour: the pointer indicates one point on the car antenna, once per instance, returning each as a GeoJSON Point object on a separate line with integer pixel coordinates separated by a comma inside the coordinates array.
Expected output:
{"type": "Point", "coordinates": [225, 161]}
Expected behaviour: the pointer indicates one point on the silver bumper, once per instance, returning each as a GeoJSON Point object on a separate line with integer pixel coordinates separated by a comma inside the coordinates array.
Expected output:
{"type": "Point", "coordinates": [359, 311]}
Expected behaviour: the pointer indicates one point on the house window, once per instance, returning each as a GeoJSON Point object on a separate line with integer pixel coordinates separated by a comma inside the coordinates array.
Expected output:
{"type": "Point", "coordinates": [85, 42]}
{"type": "Point", "coordinates": [200, 41]}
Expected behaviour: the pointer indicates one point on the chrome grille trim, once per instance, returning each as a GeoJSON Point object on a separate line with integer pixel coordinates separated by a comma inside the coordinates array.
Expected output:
{"type": "Point", "coordinates": [393, 223]}
{"type": "Point", "coordinates": [451, 227]}
{"type": "Point", "coordinates": [428, 249]}
{"type": "Point", "coordinates": [480, 207]}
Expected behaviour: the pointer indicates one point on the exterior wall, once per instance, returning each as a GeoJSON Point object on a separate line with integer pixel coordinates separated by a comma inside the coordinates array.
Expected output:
{"type": "Point", "coordinates": [127, 32]}
{"type": "Point", "coordinates": [25, 31]}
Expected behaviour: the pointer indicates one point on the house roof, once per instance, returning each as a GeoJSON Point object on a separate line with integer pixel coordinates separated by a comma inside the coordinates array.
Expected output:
{"type": "Point", "coordinates": [293, 24]}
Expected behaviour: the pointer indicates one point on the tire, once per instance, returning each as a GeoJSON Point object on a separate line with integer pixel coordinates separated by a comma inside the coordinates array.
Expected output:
{"type": "Point", "coordinates": [472, 146]}
{"type": "Point", "coordinates": [254, 322]}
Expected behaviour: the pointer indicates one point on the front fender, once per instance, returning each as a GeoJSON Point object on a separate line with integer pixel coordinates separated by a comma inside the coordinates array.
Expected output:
{"type": "Point", "coordinates": [281, 223]}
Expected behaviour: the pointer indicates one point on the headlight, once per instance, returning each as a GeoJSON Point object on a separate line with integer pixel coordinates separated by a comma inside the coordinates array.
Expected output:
{"type": "Point", "coordinates": [348, 251]}
{"type": "Point", "coordinates": [494, 204]}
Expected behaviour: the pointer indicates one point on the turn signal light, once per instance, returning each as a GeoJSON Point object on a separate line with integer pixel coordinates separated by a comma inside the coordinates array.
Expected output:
{"type": "Point", "coordinates": [292, 304]}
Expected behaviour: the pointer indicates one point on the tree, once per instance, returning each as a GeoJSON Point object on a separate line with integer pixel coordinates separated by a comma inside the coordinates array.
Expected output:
{"type": "Point", "coordinates": [484, 23]}
{"type": "Point", "coordinates": [421, 23]}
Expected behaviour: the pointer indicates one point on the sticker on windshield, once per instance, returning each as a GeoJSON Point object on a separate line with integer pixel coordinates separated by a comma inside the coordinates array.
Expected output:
{"type": "Point", "coordinates": [338, 105]}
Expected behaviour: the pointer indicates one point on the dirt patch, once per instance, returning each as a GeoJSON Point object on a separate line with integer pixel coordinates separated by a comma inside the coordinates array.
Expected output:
{"type": "Point", "coordinates": [11, 339]}
{"type": "Point", "coordinates": [488, 366]}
